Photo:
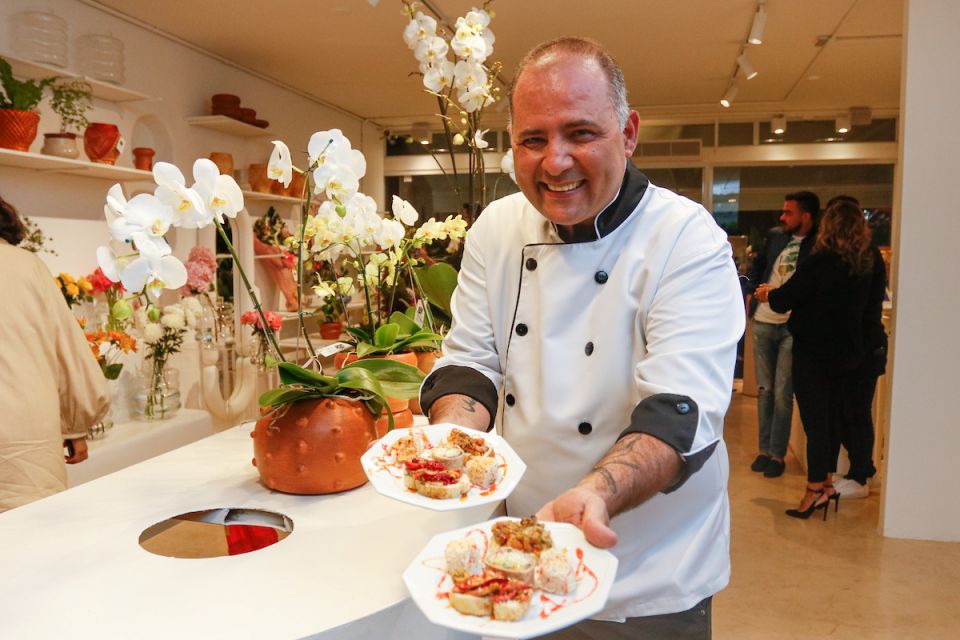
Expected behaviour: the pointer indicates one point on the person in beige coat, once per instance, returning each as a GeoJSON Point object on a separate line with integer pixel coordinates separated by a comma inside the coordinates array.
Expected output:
{"type": "Point", "coordinates": [51, 388]}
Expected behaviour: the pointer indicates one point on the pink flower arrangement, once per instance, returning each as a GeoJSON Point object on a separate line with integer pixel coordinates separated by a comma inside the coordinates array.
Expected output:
{"type": "Point", "coordinates": [201, 270]}
{"type": "Point", "coordinates": [251, 318]}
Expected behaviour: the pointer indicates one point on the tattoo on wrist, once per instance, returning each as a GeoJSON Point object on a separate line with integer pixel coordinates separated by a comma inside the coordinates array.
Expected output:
{"type": "Point", "coordinates": [608, 478]}
{"type": "Point", "coordinates": [470, 405]}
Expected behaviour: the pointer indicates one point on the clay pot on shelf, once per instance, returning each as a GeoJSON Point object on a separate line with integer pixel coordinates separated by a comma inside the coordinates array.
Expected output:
{"type": "Point", "coordinates": [224, 162]}
{"type": "Point", "coordinates": [277, 188]}
{"type": "Point", "coordinates": [61, 145]}
{"type": "Point", "coordinates": [297, 185]}
{"type": "Point", "coordinates": [313, 446]}
{"type": "Point", "coordinates": [259, 181]}
{"type": "Point", "coordinates": [400, 407]}
{"type": "Point", "coordinates": [248, 115]}
{"type": "Point", "coordinates": [101, 141]}
{"type": "Point", "coordinates": [18, 129]}
{"type": "Point", "coordinates": [331, 330]}
{"type": "Point", "coordinates": [143, 158]}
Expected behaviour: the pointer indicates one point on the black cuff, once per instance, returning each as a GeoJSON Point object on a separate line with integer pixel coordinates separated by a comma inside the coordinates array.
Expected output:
{"type": "Point", "coordinates": [455, 379]}
{"type": "Point", "coordinates": [672, 419]}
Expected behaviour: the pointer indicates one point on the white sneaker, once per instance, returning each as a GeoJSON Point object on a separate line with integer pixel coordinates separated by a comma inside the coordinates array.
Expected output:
{"type": "Point", "coordinates": [850, 489]}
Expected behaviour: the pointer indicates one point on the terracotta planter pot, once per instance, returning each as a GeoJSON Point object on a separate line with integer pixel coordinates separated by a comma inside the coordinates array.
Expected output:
{"type": "Point", "coordinates": [143, 158]}
{"type": "Point", "coordinates": [297, 185]}
{"type": "Point", "coordinates": [313, 446]}
{"type": "Point", "coordinates": [259, 181]}
{"type": "Point", "coordinates": [401, 420]}
{"type": "Point", "coordinates": [18, 129]}
{"type": "Point", "coordinates": [61, 145]}
{"type": "Point", "coordinates": [100, 142]}
{"type": "Point", "coordinates": [331, 330]}
{"type": "Point", "coordinates": [224, 162]}
{"type": "Point", "coordinates": [277, 188]}
{"type": "Point", "coordinates": [425, 361]}
{"type": "Point", "coordinates": [396, 404]}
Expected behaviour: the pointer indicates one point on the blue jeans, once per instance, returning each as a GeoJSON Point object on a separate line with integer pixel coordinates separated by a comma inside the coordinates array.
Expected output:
{"type": "Point", "coordinates": [772, 349]}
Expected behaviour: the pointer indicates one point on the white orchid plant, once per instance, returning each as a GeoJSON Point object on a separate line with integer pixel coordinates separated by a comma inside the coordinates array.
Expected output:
{"type": "Point", "coordinates": [464, 86]}
{"type": "Point", "coordinates": [368, 254]}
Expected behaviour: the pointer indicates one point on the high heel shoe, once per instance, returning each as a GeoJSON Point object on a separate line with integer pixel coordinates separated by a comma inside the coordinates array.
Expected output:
{"type": "Point", "coordinates": [806, 513]}
{"type": "Point", "coordinates": [835, 496]}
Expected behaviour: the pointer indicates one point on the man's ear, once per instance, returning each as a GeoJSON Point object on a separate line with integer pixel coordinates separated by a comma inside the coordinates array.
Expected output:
{"type": "Point", "coordinates": [630, 132]}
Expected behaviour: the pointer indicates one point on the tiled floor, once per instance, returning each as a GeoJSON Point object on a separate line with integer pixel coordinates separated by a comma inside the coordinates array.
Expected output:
{"type": "Point", "coordinates": [814, 579]}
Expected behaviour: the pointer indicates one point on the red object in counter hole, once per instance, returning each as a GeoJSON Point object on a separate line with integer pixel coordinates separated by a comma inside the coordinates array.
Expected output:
{"type": "Point", "coordinates": [244, 538]}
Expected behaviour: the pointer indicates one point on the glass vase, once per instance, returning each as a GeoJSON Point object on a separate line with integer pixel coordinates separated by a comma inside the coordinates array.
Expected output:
{"type": "Point", "coordinates": [158, 393]}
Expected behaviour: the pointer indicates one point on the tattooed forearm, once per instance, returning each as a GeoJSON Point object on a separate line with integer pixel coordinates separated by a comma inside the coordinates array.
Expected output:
{"type": "Point", "coordinates": [462, 410]}
{"type": "Point", "coordinates": [469, 404]}
{"type": "Point", "coordinates": [608, 478]}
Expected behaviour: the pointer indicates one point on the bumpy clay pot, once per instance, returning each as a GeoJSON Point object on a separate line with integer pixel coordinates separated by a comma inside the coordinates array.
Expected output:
{"type": "Point", "coordinates": [100, 141]}
{"type": "Point", "coordinates": [313, 446]}
{"type": "Point", "coordinates": [397, 405]}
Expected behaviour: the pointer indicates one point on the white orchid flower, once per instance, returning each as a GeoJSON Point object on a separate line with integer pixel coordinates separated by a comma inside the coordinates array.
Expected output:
{"type": "Point", "coordinates": [326, 144]}
{"type": "Point", "coordinates": [455, 226]}
{"type": "Point", "coordinates": [430, 230]}
{"type": "Point", "coordinates": [154, 269]}
{"type": "Point", "coordinates": [476, 19]}
{"type": "Point", "coordinates": [438, 77]}
{"type": "Point", "coordinates": [478, 140]}
{"type": "Point", "coordinates": [419, 28]}
{"type": "Point", "coordinates": [114, 258]}
{"type": "Point", "coordinates": [470, 45]}
{"type": "Point", "coordinates": [345, 285]}
{"type": "Point", "coordinates": [404, 211]}
{"type": "Point", "coordinates": [467, 74]}
{"type": "Point", "coordinates": [113, 211]}
{"type": "Point", "coordinates": [221, 194]}
{"type": "Point", "coordinates": [189, 209]}
{"type": "Point", "coordinates": [432, 50]}
{"type": "Point", "coordinates": [390, 234]}
{"type": "Point", "coordinates": [364, 204]}
{"type": "Point", "coordinates": [474, 98]}
{"type": "Point", "coordinates": [506, 165]}
{"type": "Point", "coordinates": [337, 180]}
{"type": "Point", "coordinates": [324, 290]}
{"type": "Point", "coordinates": [147, 214]}
{"type": "Point", "coordinates": [280, 167]}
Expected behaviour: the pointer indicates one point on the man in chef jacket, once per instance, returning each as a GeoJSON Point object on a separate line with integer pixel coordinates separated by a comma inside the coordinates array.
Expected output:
{"type": "Point", "coordinates": [605, 311]}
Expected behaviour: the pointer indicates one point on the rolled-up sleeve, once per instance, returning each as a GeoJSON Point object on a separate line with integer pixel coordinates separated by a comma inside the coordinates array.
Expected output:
{"type": "Point", "coordinates": [691, 330]}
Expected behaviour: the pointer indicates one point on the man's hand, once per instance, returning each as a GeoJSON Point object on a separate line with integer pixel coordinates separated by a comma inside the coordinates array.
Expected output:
{"type": "Point", "coordinates": [762, 294]}
{"type": "Point", "coordinates": [79, 450]}
{"type": "Point", "coordinates": [585, 509]}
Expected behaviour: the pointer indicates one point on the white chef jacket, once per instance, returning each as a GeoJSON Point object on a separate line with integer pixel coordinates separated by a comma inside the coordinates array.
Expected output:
{"type": "Point", "coordinates": [637, 329]}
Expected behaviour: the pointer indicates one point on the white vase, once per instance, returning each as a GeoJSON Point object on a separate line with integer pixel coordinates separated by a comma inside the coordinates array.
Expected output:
{"type": "Point", "coordinates": [62, 145]}
{"type": "Point", "coordinates": [158, 394]}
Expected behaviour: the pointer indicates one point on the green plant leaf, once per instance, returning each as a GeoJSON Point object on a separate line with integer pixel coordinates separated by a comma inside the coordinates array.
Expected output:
{"type": "Point", "coordinates": [286, 395]}
{"type": "Point", "coordinates": [386, 335]}
{"type": "Point", "coordinates": [362, 380]}
{"type": "Point", "coordinates": [438, 282]}
{"type": "Point", "coordinates": [112, 371]}
{"type": "Point", "coordinates": [365, 349]}
{"type": "Point", "coordinates": [295, 374]}
{"type": "Point", "coordinates": [406, 325]}
{"type": "Point", "coordinates": [387, 370]}
{"type": "Point", "coordinates": [421, 340]}
{"type": "Point", "coordinates": [404, 390]}
{"type": "Point", "coordinates": [359, 334]}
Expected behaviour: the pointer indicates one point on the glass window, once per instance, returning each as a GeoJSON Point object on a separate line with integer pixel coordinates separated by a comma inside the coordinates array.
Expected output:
{"type": "Point", "coordinates": [434, 196]}
{"type": "Point", "coordinates": [687, 181]}
{"type": "Point", "coordinates": [819, 131]}
{"type": "Point", "coordinates": [735, 133]}
{"type": "Point", "coordinates": [701, 132]}
{"type": "Point", "coordinates": [748, 200]}
{"type": "Point", "coordinates": [405, 145]}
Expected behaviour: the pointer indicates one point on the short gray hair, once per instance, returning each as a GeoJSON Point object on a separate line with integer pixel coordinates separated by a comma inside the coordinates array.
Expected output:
{"type": "Point", "coordinates": [585, 48]}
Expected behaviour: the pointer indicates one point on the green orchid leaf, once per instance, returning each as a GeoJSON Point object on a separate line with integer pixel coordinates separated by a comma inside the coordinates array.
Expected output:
{"type": "Point", "coordinates": [386, 335]}
{"type": "Point", "coordinates": [365, 349]}
{"type": "Point", "coordinates": [406, 324]}
{"type": "Point", "coordinates": [362, 380]}
{"type": "Point", "coordinates": [359, 334]}
{"type": "Point", "coordinates": [112, 371]}
{"type": "Point", "coordinates": [270, 361]}
{"type": "Point", "coordinates": [421, 340]}
{"type": "Point", "coordinates": [291, 374]}
{"type": "Point", "coordinates": [387, 370]}
{"type": "Point", "coordinates": [286, 395]}
{"type": "Point", "coordinates": [438, 282]}
{"type": "Point", "coordinates": [405, 390]}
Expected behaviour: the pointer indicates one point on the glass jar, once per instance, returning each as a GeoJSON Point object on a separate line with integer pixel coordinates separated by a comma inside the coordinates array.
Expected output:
{"type": "Point", "coordinates": [41, 37]}
{"type": "Point", "coordinates": [157, 394]}
{"type": "Point", "coordinates": [101, 57]}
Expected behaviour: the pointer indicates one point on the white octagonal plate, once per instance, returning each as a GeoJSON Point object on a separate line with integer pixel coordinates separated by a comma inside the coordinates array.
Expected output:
{"type": "Point", "coordinates": [429, 585]}
{"type": "Point", "coordinates": [386, 475]}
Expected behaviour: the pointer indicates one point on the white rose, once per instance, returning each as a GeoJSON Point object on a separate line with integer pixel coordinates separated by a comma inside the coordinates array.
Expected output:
{"type": "Point", "coordinates": [152, 332]}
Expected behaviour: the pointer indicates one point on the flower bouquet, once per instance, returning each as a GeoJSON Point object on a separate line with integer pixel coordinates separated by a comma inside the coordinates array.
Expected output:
{"type": "Point", "coordinates": [75, 290]}
{"type": "Point", "coordinates": [163, 333]}
{"type": "Point", "coordinates": [107, 346]}
{"type": "Point", "coordinates": [252, 319]}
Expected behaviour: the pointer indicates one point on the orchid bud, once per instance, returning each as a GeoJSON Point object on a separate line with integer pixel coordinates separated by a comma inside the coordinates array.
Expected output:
{"type": "Point", "coordinates": [154, 314]}
{"type": "Point", "coordinates": [121, 310]}
{"type": "Point", "coordinates": [458, 139]}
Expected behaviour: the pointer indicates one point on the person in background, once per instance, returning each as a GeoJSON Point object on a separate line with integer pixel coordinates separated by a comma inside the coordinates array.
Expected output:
{"type": "Point", "coordinates": [51, 388]}
{"type": "Point", "coordinates": [856, 429]}
{"type": "Point", "coordinates": [828, 296]}
{"type": "Point", "coordinates": [786, 247]}
{"type": "Point", "coordinates": [607, 311]}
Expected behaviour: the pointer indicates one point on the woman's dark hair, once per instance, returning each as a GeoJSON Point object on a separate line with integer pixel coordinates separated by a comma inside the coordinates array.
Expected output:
{"type": "Point", "coordinates": [11, 229]}
{"type": "Point", "coordinates": [844, 231]}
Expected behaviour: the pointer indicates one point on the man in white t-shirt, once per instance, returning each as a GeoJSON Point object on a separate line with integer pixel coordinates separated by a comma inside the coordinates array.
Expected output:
{"type": "Point", "coordinates": [786, 246]}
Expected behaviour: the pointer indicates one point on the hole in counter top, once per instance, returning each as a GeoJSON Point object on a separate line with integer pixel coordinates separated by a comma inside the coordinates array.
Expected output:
{"type": "Point", "coordinates": [213, 533]}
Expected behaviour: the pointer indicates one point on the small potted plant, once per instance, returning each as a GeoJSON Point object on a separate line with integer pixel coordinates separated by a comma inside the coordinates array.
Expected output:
{"type": "Point", "coordinates": [18, 108]}
{"type": "Point", "coordinates": [71, 101]}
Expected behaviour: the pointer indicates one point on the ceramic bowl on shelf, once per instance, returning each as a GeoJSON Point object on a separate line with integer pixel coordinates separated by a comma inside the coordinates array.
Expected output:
{"type": "Point", "coordinates": [263, 124]}
{"type": "Point", "coordinates": [248, 115]}
{"type": "Point", "coordinates": [225, 99]}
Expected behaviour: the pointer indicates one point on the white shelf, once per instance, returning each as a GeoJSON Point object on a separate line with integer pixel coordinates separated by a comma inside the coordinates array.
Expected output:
{"type": "Point", "coordinates": [270, 197]}
{"type": "Point", "coordinates": [53, 164]}
{"type": "Point", "coordinates": [225, 124]}
{"type": "Point", "coordinates": [105, 90]}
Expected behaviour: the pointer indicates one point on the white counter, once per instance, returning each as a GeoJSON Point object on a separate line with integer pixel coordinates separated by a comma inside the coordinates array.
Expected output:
{"type": "Point", "coordinates": [72, 566]}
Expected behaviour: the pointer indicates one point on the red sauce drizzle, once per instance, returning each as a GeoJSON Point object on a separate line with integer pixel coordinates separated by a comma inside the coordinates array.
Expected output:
{"type": "Point", "coordinates": [550, 606]}
{"type": "Point", "coordinates": [581, 569]}
{"type": "Point", "coordinates": [441, 594]}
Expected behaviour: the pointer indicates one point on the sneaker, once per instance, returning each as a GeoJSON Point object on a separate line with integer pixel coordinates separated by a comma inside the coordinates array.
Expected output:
{"type": "Point", "coordinates": [760, 463]}
{"type": "Point", "coordinates": [849, 489]}
{"type": "Point", "coordinates": [774, 469]}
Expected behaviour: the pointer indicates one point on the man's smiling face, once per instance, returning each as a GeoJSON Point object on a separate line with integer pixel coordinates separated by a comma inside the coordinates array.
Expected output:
{"type": "Point", "coordinates": [568, 147]}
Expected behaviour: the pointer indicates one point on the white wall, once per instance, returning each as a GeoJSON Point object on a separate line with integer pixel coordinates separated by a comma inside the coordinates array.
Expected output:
{"type": "Point", "coordinates": [920, 499]}
{"type": "Point", "coordinates": [182, 80]}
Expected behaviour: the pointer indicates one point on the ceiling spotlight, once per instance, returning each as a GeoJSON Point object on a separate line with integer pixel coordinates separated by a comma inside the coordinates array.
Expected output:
{"type": "Point", "coordinates": [759, 22]}
{"type": "Point", "coordinates": [728, 97]}
{"type": "Point", "coordinates": [778, 125]}
{"type": "Point", "coordinates": [843, 124]}
{"type": "Point", "coordinates": [421, 132]}
{"type": "Point", "coordinates": [746, 67]}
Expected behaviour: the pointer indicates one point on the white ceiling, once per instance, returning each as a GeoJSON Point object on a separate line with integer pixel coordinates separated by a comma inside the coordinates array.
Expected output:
{"type": "Point", "coordinates": [678, 55]}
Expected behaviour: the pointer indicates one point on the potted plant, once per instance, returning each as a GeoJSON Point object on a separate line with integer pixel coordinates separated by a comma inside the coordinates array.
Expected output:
{"type": "Point", "coordinates": [312, 422]}
{"type": "Point", "coordinates": [332, 326]}
{"type": "Point", "coordinates": [70, 100]}
{"type": "Point", "coordinates": [18, 104]}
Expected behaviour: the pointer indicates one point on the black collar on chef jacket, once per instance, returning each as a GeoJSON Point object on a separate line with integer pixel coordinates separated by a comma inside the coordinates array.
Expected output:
{"type": "Point", "coordinates": [631, 191]}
